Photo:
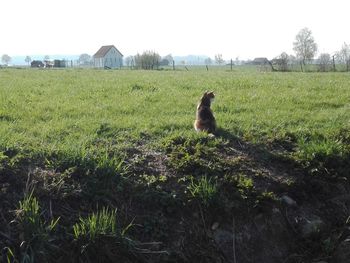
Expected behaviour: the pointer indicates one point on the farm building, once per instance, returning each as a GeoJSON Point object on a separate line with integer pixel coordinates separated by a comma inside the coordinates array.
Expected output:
{"type": "Point", "coordinates": [108, 57]}
{"type": "Point", "coordinates": [260, 61]}
{"type": "Point", "coordinates": [37, 64]}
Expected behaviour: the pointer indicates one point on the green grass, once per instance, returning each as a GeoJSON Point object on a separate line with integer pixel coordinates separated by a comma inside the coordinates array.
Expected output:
{"type": "Point", "coordinates": [101, 223]}
{"type": "Point", "coordinates": [69, 111]}
{"type": "Point", "coordinates": [204, 189]}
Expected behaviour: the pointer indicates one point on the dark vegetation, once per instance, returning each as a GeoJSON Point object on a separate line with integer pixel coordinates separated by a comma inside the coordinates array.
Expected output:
{"type": "Point", "coordinates": [178, 200]}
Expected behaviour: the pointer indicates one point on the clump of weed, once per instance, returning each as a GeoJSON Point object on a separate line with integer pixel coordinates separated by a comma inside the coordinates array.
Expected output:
{"type": "Point", "coordinates": [98, 237]}
{"type": "Point", "coordinates": [204, 190]}
{"type": "Point", "coordinates": [101, 223]}
{"type": "Point", "coordinates": [36, 234]}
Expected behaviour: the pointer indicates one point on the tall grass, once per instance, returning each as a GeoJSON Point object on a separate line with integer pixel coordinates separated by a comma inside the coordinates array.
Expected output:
{"type": "Point", "coordinates": [36, 232]}
{"type": "Point", "coordinates": [203, 189]}
{"type": "Point", "coordinates": [101, 223]}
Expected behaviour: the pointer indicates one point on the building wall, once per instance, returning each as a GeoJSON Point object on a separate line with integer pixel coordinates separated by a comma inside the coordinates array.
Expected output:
{"type": "Point", "coordinates": [98, 62]}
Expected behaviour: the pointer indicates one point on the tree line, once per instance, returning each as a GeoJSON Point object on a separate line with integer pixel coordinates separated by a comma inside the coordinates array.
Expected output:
{"type": "Point", "coordinates": [148, 60]}
{"type": "Point", "coordinates": [304, 46]}
{"type": "Point", "coordinates": [305, 49]}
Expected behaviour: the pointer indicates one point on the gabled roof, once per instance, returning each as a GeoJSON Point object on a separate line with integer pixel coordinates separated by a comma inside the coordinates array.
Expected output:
{"type": "Point", "coordinates": [260, 61]}
{"type": "Point", "coordinates": [104, 50]}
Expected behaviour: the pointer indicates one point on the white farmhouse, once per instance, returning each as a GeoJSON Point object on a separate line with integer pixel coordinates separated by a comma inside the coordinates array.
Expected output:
{"type": "Point", "coordinates": [108, 57]}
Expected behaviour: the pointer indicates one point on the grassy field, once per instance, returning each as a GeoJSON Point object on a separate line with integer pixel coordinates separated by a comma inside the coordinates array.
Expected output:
{"type": "Point", "coordinates": [85, 139]}
{"type": "Point", "coordinates": [64, 110]}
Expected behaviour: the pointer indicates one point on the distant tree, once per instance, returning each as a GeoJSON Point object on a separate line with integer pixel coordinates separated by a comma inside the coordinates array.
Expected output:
{"type": "Point", "coordinates": [148, 60]}
{"type": "Point", "coordinates": [164, 62]}
{"type": "Point", "coordinates": [6, 59]}
{"type": "Point", "coordinates": [305, 46]}
{"type": "Point", "coordinates": [137, 61]}
{"type": "Point", "coordinates": [129, 61]}
{"type": "Point", "coordinates": [84, 59]}
{"type": "Point", "coordinates": [47, 62]}
{"type": "Point", "coordinates": [237, 62]}
{"type": "Point", "coordinates": [282, 61]}
{"type": "Point", "coordinates": [218, 59]}
{"type": "Point", "coordinates": [28, 59]}
{"type": "Point", "coordinates": [167, 60]}
{"type": "Point", "coordinates": [208, 61]}
{"type": "Point", "coordinates": [343, 56]}
{"type": "Point", "coordinates": [324, 62]}
{"type": "Point", "coordinates": [292, 59]}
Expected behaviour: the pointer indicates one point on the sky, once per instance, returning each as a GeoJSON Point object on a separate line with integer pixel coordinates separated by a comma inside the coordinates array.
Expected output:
{"type": "Point", "coordinates": [234, 28]}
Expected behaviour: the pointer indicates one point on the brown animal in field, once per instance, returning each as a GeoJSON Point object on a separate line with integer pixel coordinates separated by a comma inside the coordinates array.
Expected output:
{"type": "Point", "coordinates": [205, 120]}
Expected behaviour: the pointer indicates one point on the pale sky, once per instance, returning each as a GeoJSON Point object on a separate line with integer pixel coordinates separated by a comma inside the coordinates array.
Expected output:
{"type": "Point", "coordinates": [233, 28]}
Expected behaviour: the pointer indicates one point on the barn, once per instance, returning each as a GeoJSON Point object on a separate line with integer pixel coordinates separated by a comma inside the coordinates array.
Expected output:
{"type": "Point", "coordinates": [108, 57]}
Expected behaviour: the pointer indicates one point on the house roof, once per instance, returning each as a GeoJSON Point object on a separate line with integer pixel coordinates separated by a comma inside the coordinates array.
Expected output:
{"type": "Point", "coordinates": [104, 50]}
{"type": "Point", "coordinates": [260, 60]}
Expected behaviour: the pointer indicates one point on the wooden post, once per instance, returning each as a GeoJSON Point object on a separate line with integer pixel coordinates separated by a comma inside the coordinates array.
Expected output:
{"type": "Point", "coordinates": [333, 63]}
{"type": "Point", "coordinates": [207, 67]}
{"type": "Point", "coordinates": [231, 64]}
{"type": "Point", "coordinates": [173, 64]}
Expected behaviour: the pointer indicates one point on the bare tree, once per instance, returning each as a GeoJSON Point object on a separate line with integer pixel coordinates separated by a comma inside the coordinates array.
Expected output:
{"type": "Point", "coordinates": [47, 61]}
{"type": "Point", "coordinates": [6, 59]}
{"type": "Point", "coordinates": [28, 59]}
{"type": "Point", "coordinates": [324, 62]}
{"type": "Point", "coordinates": [208, 61]}
{"type": "Point", "coordinates": [84, 59]}
{"type": "Point", "coordinates": [281, 61]}
{"type": "Point", "coordinates": [305, 46]}
{"type": "Point", "coordinates": [343, 56]}
{"type": "Point", "coordinates": [129, 61]}
{"type": "Point", "coordinates": [218, 59]}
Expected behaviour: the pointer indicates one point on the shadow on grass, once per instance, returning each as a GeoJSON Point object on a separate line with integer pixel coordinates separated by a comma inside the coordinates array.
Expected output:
{"type": "Point", "coordinates": [260, 152]}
